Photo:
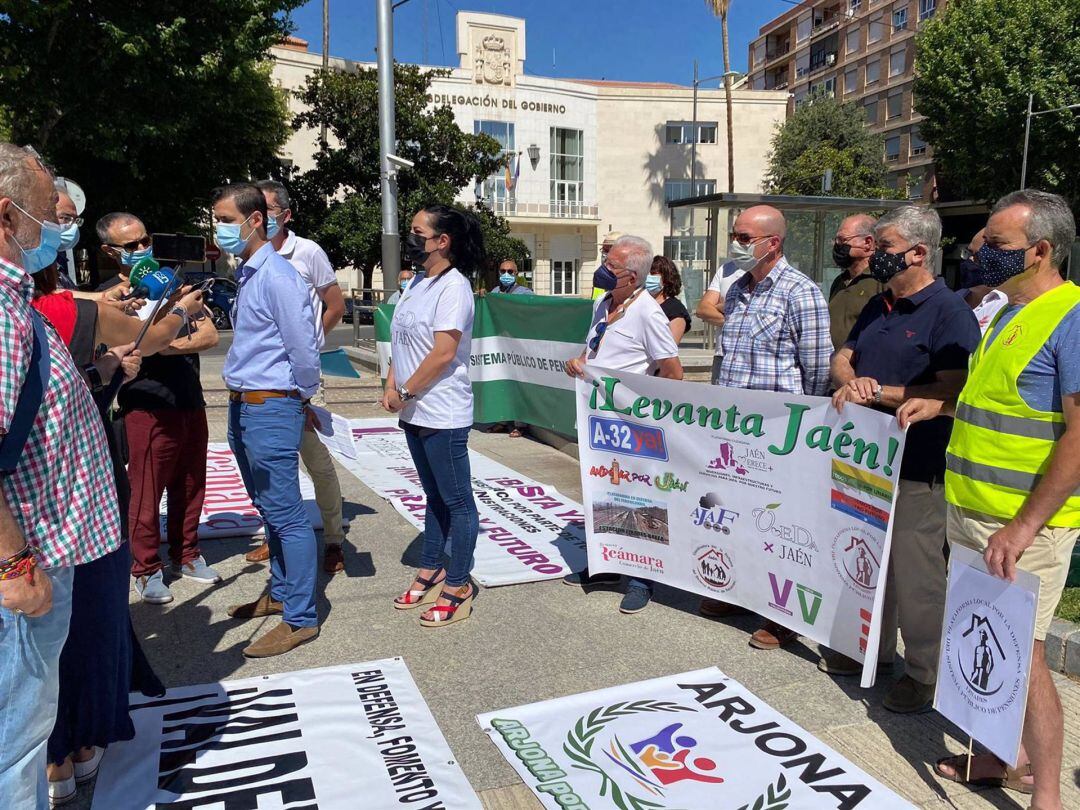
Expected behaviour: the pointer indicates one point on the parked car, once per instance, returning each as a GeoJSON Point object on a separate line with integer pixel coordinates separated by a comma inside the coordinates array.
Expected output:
{"type": "Point", "coordinates": [220, 302]}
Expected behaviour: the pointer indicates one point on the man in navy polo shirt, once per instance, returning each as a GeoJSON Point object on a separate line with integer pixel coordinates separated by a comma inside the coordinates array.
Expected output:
{"type": "Point", "coordinates": [913, 338]}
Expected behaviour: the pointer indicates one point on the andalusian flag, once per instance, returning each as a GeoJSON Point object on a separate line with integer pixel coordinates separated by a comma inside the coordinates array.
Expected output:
{"type": "Point", "coordinates": [512, 174]}
{"type": "Point", "coordinates": [520, 345]}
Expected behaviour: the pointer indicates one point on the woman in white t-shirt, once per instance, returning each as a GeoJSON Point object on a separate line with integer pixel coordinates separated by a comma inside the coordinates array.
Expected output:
{"type": "Point", "coordinates": [428, 387]}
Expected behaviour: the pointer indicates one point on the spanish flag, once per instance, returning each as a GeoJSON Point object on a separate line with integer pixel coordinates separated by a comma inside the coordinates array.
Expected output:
{"type": "Point", "coordinates": [512, 174]}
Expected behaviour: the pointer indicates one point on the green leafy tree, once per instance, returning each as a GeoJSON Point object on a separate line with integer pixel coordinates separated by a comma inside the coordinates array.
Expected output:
{"type": "Point", "coordinates": [826, 134]}
{"type": "Point", "coordinates": [976, 63]}
{"type": "Point", "coordinates": [147, 105]}
{"type": "Point", "coordinates": [338, 201]}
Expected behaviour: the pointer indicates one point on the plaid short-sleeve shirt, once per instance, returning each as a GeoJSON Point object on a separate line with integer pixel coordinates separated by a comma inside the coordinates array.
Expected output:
{"type": "Point", "coordinates": [62, 494]}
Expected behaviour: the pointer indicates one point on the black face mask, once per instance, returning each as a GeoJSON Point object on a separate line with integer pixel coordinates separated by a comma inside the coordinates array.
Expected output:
{"type": "Point", "coordinates": [841, 255]}
{"type": "Point", "coordinates": [970, 271]}
{"type": "Point", "coordinates": [883, 266]}
{"type": "Point", "coordinates": [414, 249]}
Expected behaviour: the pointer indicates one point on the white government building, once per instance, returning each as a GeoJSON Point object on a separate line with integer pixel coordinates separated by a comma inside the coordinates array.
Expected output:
{"type": "Point", "coordinates": [595, 155]}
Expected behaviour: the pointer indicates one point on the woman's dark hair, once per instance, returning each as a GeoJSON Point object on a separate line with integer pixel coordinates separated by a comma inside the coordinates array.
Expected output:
{"type": "Point", "coordinates": [672, 281]}
{"type": "Point", "coordinates": [46, 281]}
{"type": "Point", "coordinates": [467, 252]}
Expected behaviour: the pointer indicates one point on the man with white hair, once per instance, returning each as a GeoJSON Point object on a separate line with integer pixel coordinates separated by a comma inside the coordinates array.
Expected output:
{"type": "Point", "coordinates": [913, 340]}
{"type": "Point", "coordinates": [630, 333]}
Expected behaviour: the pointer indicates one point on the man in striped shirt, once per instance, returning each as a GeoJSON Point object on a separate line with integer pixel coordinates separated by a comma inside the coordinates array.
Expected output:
{"type": "Point", "coordinates": [776, 338]}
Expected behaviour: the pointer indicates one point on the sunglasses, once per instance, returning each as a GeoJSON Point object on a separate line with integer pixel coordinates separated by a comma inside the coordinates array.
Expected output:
{"type": "Point", "coordinates": [133, 245]}
{"type": "Point", "coordinates": [747, 238]}
{"type": "Point", "coordinates": [67, 219]}
{"type": "Point", "coordinates": [594, 344]}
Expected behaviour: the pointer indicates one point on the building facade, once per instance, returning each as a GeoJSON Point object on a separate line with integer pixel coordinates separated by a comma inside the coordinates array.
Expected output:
{"type": "Point", "coordinates": [862, 52]}
{"type": "Point", "coordinates": [586, 157]}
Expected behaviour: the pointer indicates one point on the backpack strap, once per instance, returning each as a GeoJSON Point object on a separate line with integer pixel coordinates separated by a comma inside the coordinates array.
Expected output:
{"type": "Point", "coordinates": [30, 398]}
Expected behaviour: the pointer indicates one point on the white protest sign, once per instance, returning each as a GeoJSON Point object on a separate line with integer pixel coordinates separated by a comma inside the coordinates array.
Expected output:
{"type": "Point", "coordinates": [227, 509]}
{"type": "Point", "coordinates": [986, 644]}
{"type": "Point", "coordinates": [771, 501]}
{"type": "Point", "coordinates": [334, 738]}
{"type": "Point", "coordinates": [697, 740]}
{"type": "Point", "coordinates": [335, 432]}
{"type": "Point", "coordinates": [527, 533]}
{"type": "Point", "coordinates": [383, 462]}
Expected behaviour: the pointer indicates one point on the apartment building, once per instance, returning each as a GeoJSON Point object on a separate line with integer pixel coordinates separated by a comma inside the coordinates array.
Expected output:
{"type": "Point", "coordinates": [859, 51]}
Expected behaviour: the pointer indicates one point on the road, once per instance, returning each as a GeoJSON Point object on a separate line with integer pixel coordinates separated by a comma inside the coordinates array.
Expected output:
{"type": "Point", "coordinates": [340, 335]}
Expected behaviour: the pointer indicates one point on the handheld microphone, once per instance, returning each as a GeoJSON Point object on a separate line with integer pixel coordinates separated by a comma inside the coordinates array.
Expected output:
{"type": "Point", "coordinates": [149, 280]}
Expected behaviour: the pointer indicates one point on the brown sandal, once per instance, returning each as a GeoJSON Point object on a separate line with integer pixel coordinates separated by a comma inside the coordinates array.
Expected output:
{"type": "Point", "coordinates": [1013, 778]}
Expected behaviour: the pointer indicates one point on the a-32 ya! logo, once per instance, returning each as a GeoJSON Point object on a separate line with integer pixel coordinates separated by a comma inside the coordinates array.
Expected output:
{"type": "Point", "coordinates": [617, 436]}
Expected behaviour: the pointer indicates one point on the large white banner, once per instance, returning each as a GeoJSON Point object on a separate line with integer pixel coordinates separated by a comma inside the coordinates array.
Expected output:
{"type": "Point", "coordinates": [338, 738]}
{"type": "Point", "coordinates": [986, 645]}
{"type": "Point", "coordinates": [227, 510]}
{"type": "Point", "coordinates": [384, 465]}
{"type": "Point", "coordinates": [527, 533]}
{"type": "Point", "coordinates": [697, 740]}
{"type": "Point", "coordinates": [774, 502]}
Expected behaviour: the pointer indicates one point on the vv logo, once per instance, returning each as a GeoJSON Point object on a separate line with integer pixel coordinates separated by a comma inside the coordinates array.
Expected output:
{"type": "Point", "coordinates": [809, 599]}
{"type": "Point", "coordinates": [979, 655]}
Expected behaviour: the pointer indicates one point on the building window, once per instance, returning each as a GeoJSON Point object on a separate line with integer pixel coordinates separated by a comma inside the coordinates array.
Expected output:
{"type": "Point", "coordinates": [680, 190]}
{"type": "Point", "coordinates": [682, 132]}
{"type": "Point", "coordinates": [873, 71]}
{"type": "Point", "coordinates": [874, 30]}
{"type": "Point", "coordinates": [802, 30]}
{"type": "Point", "coordinates": [825, 89]}
{"type": "Point", "coordinates": [892, 181]}
{"type": "Point", "coordinates": [493, 190]}
{"type": "Point", "coordinates": [894, 106]}
{"type": "Point", "coordinates": [918, 145]}
{"type": "Point", "coordinates": [851, 81]}
{"type": "Point", "coordinates": [564, 277]}
{"type": "Point", "coordinates": [927, 9]}
{"type": "Point", "coordinates": [567, 171]}
{"type": "Point", "coordinates": [915, 181]}
{"type": "Point", "coordinates": [899, 19]}
{"type": "Point", "coordinates": [897, 62]}
{"type": "Point", "coordinates": [855, 5]}
{"type": "Point", "coordinates": [892, 149]}
{"type": "Point", "coordinates": [852, 40]}
{"type": "Point", "coordinates": [871, 112]}
{"type": "Point", "coordinates": [686, 248]}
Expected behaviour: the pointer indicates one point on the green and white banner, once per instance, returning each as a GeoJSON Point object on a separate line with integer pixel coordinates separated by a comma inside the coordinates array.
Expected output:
{"type": "Point", "coordinates": [520, 346]}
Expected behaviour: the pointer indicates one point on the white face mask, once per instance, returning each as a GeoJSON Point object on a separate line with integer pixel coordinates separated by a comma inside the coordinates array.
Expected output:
{"type": "Point", "coordinates": [742, 256]}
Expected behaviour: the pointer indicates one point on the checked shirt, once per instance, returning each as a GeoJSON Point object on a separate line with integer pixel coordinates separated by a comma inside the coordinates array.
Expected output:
{"type": "Point", "coordinates": [776, 337]}
{"type": "Point", "coordinates": [62, 494]}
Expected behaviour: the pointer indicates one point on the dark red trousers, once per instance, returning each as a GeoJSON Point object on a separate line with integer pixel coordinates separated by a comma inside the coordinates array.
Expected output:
{"type": "Point", "coordinates": [166, 452]}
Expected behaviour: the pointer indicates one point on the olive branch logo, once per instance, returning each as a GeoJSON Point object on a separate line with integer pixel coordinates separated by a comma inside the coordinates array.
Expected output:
{"type": "Point", "coordinates": [775, 798]}
{"type": "Point", "coordinates": [580, 739]}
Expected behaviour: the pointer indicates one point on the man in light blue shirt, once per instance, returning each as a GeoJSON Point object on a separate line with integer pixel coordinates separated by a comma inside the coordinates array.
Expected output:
{"type": "Point", "coordinates": [271, 370]}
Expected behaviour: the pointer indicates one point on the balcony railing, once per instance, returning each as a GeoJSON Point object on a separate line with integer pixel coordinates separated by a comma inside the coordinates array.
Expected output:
{"type": "Point", "coordinates": [555, 209]}
{"type": "Point", "coordinates": [777, 52]}
{"type": "Point", "coordinates": [821, 60]}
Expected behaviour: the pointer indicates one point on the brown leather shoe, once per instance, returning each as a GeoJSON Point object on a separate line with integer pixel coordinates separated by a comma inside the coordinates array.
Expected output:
{"type": "Point", "coordinates": [260, 554]}
{"type": "Point", "coordinates": [715, 609]}
{"type": "Point", "coordinates": [772, 636]}
{"type": "Point", "coordinates": [263, 606]}
{"type": "Point", "coordinates": [333, 558]}
{"type": "Point", "coordinates": [834, 663]}
{"type": "Point", "coordinates": [280, 640]}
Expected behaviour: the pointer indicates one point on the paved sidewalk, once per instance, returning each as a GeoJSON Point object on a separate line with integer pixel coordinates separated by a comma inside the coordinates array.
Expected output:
{"type": "Point", "coordinates": [543, 640]}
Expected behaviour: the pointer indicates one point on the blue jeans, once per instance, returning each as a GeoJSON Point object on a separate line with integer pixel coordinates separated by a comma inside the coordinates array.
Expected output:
{"type": "Point", "coordinates": [29, 687]}
{"type": "Point", "coordinates": [266, 442]}
{"type": "Point", "coordinates": [442, 462]}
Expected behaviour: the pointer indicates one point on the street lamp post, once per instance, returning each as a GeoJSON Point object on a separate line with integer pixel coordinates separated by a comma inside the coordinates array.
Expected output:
{"type": "Point", "coordinates": [391, 248]}
{"type": "Point", "coordinates": [1027, 130]}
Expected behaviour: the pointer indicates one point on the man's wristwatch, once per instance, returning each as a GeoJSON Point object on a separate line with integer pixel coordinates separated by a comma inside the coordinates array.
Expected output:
{"type": "Point", "coordinates": [93, 376]}
{"type": "Point", "coordinates": [404, 395]}
{"type": "Point", "coordinates": [877, 394]}
{"type": "Point", "coordinates": [179, 310]}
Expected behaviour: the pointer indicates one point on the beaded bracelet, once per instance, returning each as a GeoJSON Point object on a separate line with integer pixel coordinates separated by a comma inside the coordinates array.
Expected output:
{"type": "Point", "coordinates": [15, 559]}
{"type": "Point", "coordinates": [19, 569]}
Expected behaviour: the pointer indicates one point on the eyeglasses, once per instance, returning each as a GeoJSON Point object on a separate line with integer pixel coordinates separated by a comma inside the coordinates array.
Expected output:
{"type": "Point", "coordinates": [68, 219]}
{"type": "Point", "coordinates": [745, 239]}
{"type": "Point", "coordinates": [842, 239]}
{"type": "Point", "coordinates": [594, 344]}
{"type": "Point", "coordinates": [135, 244]}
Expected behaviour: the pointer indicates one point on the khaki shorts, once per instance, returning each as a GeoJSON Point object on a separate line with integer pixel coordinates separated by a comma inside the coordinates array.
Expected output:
{"type": "Point", "coordinates": [1047, 558]}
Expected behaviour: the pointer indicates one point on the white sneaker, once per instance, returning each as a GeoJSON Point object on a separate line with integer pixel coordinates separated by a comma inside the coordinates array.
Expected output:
{"type": "Point", "coordinates": [198, 570]}
{"type": "Point", "coordinates": [85, 771]}
{"type": "Point", "coordinates": [152, 589]}
{"type": "Point", "coordinates": [62, 792]}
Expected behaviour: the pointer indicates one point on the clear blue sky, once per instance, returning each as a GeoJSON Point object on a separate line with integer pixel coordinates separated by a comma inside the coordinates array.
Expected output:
{"type": "Point", "coordinates": [629, 40]}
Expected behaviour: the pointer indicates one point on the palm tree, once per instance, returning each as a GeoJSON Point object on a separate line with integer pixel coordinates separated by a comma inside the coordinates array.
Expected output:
{"type": "Point", "coordinates": [720, 8]}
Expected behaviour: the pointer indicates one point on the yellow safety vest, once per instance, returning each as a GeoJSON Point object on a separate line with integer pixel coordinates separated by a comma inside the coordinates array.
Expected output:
{"type": "Point", "coordinates": [1000, 447]}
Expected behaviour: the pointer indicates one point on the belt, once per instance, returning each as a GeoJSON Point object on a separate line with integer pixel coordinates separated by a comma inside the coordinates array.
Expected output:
{"type": "Point", "coordinates": [260, 397]}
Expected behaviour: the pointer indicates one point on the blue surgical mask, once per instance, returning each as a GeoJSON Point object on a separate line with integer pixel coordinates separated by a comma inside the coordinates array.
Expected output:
{"type": "Point", "coordinates": [404, 284]}
{"type": "Point", "coordinates": [228, 237]}
{"type": "Point", "coordinates": [604, 279]}
{"type": "Point", "coordinates": [998, 265]}
{"type": "Point", "coordinates": [506, 279]}
{"type": "Point", "coordinates": [653, 284]}
{"type": "Point", "coordinates": [69, 237]}
{"type": "Point", "coordinates": [742, 256]}
{"type": "Point", "coordinates": [272, 227]}
{"type": "Point", "coordinates": [38, 258]}
{"type": "Point", "coordinates": [130, 258]}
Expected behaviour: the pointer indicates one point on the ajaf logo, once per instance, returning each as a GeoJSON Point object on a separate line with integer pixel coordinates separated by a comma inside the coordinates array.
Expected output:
{"type": "Point", "coordinates": [983, 656]}
{"type": "Point", "coordinates": [709, 514]}
{"type": "Point", "coordinates": [857, 559]}
{"type": "Point", "coordinates": [809, 599]}
{"type": "Point", "coordinates": [714, 569]}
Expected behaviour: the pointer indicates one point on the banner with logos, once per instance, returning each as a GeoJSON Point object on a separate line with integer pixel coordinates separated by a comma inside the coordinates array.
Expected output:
{"type": "Point", "coordinates": [227, 510]}
{"type": "Point", "coordinates": [520, 345]}
{"type": "Point", "coordinates": [986, 646]}
{"type": "Point", "coordinates": [770, 501]}
{"type": "Point", "coordinates": [382, 462]}
{"type": "Point", "coordinates": [319, 738]}
{"type": "Point", "coordinates": [700, 739]}
{"type": "Point", "coordinates": [527, 533]}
